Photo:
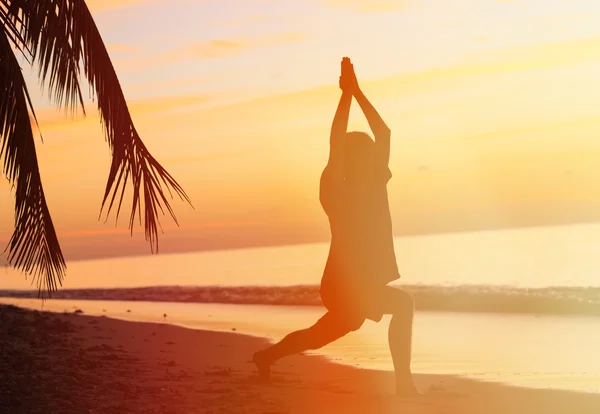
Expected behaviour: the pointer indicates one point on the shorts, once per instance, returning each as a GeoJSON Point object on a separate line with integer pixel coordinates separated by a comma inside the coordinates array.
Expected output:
{"type": "Point", "coordinates": [354, 303]}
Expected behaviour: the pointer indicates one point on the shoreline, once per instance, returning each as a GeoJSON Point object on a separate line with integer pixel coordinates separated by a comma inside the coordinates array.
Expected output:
{"type": "Point", "coordinates": [67, 362]}
{"type": "Point", "coordinates": [558, 301]}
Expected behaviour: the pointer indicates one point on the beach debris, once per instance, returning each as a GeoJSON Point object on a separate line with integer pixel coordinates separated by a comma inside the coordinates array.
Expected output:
{"type": "Point", "coordinates": [219, 372]}
{"type": "Point", "coordinates": [233, 329]}
{"type": "Point", "coordinates": [128, 310]}
{"type": "Point", "coordinates": [102, 347]}
{"type": "Point", "coordinates": [164, 315]}
{"type": "Point", "coordinates": [77, 311]}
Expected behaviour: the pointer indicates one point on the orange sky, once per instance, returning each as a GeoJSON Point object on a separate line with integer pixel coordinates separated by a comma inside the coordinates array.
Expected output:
{"type": "Point", "coordinates": [493, 106]}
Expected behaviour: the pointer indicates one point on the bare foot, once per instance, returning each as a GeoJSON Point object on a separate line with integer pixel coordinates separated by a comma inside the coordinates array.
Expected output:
{"type": "Point", "coordinates": [263, 365]}
{"type": "Point", "coordinates": [408, 390]}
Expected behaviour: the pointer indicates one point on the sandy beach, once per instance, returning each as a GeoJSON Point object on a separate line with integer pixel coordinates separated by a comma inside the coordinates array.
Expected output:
{"type": "Point", "coordinates": [74, 363]}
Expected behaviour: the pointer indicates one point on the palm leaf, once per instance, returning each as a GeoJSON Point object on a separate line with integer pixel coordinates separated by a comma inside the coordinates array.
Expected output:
{"type": "Point", "coordinates": [131, 158]}
{"type": "Point", "coordinates": [61, 37]}
{"type": "Point", "coordinates": [10, 22]}
{"type": "Point", "coordinates": [33, 246]}
{"type": "Point", "coordinates": [46, 30]}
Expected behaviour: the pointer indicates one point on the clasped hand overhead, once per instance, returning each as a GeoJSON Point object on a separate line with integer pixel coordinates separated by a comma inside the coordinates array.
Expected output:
{"type": "Point", "coordinates": [348, 81]}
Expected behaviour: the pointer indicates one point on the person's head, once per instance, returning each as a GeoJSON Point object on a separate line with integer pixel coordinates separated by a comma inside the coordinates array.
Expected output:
{"type": "Point", "coordinates": [358, 155]}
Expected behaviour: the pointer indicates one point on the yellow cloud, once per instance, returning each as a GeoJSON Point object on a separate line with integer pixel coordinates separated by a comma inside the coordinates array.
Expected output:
{"type": "Point", "coordinates": [222, 48]}
{"type": "Point", "coordinates": [496, 62]}
{"type": "Point", "coordinates": [542, 55]}
{"type": "Point", "coordinates": [97, 6]}
{"type": "Point", "coordinates": [368, 6]}
{"type": "Point", "coordinates": [168, 84]}
{"type": "Point", "coordinates": [163, 104]}
{"type": "Point", "coordinates": [439, 79]}
{"type": "Point", "coordinates": [210, 49]}
{"type": "Point", "coordinates": [283, 108]}
{"type": "Point", "coordinates": [51, 118]}
{"type": "Point", "coordinates": [547, 127]}
{"type": "Point", "coordinates": [121, 48]}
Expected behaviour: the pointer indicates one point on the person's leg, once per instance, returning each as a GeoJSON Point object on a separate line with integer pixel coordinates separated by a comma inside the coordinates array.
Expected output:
{"type": "Point", "coordinates": [330, 327]}
{"type": "Point", "coordinates": [400, 305]}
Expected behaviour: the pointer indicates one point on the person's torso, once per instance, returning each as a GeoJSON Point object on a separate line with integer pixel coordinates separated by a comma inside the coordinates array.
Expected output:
{"type": "Point", "coordinates": [362, 247]}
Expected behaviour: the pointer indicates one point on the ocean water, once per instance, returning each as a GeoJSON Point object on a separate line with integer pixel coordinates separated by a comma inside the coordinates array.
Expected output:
{"type": "Point", "coordinates": [543, 270]}
{"type": "Point", "coordinates": [547, 276]}
{"type": "Point", "coordinates": [558, 256]}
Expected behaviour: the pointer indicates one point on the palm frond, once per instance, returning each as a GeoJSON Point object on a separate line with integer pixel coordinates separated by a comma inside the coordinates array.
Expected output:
{"type": "Point", "coordinates": [34, 246]}
{"type": "Point", "coordinates": [11, 23]}
{"type": "Point", "coordinates": [46, 28]}
{"type": "Point", "coordinates": [61, 37]}
{"type": "Point", "coordinates": [130, 157]}
{"type": "Point", "coordinates": [63, 34]}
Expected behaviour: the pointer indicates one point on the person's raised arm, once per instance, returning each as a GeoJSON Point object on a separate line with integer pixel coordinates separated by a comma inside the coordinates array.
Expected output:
{"type": "Point", "coordinates": [380, 130]}
{"type": "Point", "coordinates": [338, 134]}
{"type": "Point", "coordinates": [335, 164]}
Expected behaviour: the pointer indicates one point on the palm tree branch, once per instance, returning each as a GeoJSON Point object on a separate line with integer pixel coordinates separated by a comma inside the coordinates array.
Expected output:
{"type": "Point", "coordinates": [34, 246]}
{"type": "Point", "coordinates": [63, 35]}
{"type": "Point", "coordinates": [130, 157]}
{"type": "Point", "coordinates": [11, 23]}
{"type": "Point", "coordinates": [46, 26]}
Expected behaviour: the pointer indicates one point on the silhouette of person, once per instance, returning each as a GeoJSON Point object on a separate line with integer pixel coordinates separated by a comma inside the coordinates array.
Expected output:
{"type": "Point", "coordinates": [361, 259]}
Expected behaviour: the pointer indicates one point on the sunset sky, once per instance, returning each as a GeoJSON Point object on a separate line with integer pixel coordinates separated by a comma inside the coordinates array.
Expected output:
{"type": "Point", "coordinates": [494, 108]}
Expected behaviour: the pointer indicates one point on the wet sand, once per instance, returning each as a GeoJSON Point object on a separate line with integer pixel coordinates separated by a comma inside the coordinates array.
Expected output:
{"type": "Point", "coordinates": [74, 363]}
